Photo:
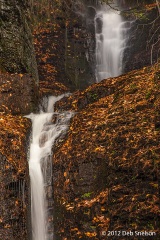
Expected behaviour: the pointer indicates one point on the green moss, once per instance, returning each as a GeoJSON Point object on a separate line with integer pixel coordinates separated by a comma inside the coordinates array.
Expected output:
{"type": "Point", "coordinates": [93, 96]}
{"type": "Point", "coordinates": [148, 94]}
{"type": "Point", "coordinates": [86, 195]}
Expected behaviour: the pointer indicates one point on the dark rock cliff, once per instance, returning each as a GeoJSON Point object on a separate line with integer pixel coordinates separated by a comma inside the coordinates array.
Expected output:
{"type": "Point", "coordinates": [16, 48]}
{"type": "Point", "coordinates": [17, 57]}
{"type": "Point", "coordinates": [143, 42]}
{"type": "Point", "coordinates": [18, 96]}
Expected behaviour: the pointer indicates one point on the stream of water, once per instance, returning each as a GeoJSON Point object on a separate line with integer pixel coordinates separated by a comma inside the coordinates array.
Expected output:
{"type": "Point", "coordinates": [46, 128]}
{"type": "Point", "coordinates": [110, 43]}
{"type": "Point", "coordinates": [48, 125]}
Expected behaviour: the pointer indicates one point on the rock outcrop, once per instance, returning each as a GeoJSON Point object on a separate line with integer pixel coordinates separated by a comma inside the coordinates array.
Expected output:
{"type": "Point", "coordinates": [106, 170]}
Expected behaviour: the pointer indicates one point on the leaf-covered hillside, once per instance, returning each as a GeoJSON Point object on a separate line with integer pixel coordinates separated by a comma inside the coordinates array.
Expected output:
{"type": "Point", "coordinates": [107, 169]}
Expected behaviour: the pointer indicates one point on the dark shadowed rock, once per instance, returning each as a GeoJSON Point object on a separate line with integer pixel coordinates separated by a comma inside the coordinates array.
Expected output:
{"type": "Point", "coordinates": [16, 48]}
{"type": "Point", "coordinates": [143, 41]}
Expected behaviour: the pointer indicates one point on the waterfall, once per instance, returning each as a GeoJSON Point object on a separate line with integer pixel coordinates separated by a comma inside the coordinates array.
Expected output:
{"type": "Point", "coordinates": [46, 128]}
{"type": "Point", "coordinates": [110, 43]}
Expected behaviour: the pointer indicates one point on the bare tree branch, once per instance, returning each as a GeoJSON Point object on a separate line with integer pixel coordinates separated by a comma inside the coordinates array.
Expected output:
{"type": "Point", "coordinates": [158, 5]}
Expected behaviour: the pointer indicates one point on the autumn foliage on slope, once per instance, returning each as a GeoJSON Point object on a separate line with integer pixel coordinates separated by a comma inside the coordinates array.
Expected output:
{"type": "Point", "coordinates": [107, 169]}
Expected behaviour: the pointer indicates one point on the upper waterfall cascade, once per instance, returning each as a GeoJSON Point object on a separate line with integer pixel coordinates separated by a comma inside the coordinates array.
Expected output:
{"type": "Point", "coordinates": [110, 43]}
{"type": "Point", "coordinates": [46, 128]}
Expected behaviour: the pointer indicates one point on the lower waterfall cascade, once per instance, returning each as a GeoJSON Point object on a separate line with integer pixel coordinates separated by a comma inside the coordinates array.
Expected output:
{"type": "Point", "coordinates": [110, 43]}
{"type": "Point", "coordinates": [47, 126]}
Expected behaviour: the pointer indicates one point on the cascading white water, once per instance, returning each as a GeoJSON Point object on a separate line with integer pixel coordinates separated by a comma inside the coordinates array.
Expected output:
{"type": "Point", "coordinates": [44, 134]}
{"type": "Point", "coordinates": [110, 43]}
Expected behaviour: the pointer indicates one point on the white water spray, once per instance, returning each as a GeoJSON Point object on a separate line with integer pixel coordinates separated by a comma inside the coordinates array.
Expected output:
{"type": "Point", "coordinates": [110, 43]}
{"type": "Point", "coordinates": [46, 128]}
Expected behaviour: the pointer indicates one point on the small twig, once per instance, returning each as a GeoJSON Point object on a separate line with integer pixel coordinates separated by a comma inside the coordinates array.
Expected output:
{"type": "Point", "coordinates": [154, 34]}
{"type": "Point", "coordinates": [158, 6]}
{"type": "Point", "coordinates": [152, 50]}
{"type": "Point", "coordinates": [150, 22]}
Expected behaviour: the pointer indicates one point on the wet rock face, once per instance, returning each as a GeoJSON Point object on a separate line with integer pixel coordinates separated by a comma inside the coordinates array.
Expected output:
{"type": "Point", "coordinates": [16, 49]}
{"type": "Point", "coordinates": [79, 53]}
{"type": "Point", "coordinates": [143, 42]}
{"type": "Point", "coordinates": [65, 50]}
